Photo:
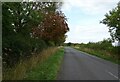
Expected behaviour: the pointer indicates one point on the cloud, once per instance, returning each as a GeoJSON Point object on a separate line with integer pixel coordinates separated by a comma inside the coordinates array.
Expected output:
{"type": "Point", "coordinates": [90, 6]}
{"type": "Point", "coordinates": [87, 33]}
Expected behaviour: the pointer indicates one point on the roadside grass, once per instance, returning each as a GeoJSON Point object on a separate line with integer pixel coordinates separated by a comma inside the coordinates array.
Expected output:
{"type": "Point", "coordinates": [48, 69]}
{"type": "Point", "coordinates": [101, 53]}
{"type": "Point", "coordinates": [20, 70]}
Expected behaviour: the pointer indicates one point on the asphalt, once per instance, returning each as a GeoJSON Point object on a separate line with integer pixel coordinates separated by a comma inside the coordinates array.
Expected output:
{"type": "Point", "coordinates": [78, 65]}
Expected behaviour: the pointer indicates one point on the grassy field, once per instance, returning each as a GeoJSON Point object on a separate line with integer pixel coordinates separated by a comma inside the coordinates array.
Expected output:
{"type": "Point", "coordinates": [100, 53]}
{"type": "Point", "coordinates": [48, 61]}
{"type": "Point", "coordinates": [48, 69]}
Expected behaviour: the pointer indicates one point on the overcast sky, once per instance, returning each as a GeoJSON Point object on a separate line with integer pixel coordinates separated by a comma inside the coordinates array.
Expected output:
{"type": "Point", "coordinates": [84, 18]}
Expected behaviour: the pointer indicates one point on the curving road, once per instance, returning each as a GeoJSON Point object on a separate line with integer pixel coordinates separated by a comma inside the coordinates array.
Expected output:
{"type": "Point", "coordinates": [79, 65]}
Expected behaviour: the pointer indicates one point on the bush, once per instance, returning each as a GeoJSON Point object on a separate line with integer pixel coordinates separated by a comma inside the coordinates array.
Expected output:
{"type": "Point", "coordinates": [18, 46]}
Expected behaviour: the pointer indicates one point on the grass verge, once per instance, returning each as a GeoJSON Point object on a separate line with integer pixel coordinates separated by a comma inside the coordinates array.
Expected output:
{"type": "Point", "coordinates": [48, 69]}
{"type": "Point", "coordinates": [100, 53]}
{"type": "Point", "coordinates": [20, 70]}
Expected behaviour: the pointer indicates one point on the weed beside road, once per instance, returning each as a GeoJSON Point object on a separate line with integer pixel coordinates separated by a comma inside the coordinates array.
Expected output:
{"type": "Point", "coordinates": [41, 66]}
{"type": "Point", "coordinates": [48, 69]}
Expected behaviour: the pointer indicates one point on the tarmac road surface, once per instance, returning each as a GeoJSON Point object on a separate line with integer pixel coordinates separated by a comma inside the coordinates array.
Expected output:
{"type": "Point", "coordinates": [79, 65]}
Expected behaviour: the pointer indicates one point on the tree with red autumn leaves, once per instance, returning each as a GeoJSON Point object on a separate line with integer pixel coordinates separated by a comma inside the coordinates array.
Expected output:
{"type": "Point", "coordinates": [52, 28]}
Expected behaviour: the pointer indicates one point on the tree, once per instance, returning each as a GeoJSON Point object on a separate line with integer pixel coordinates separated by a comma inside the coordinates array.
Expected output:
{"type": "Point", "coordinates": [52, 28]}
{"type": "Point", "coordinates": [16, 28]}
{"type": "Point", "coordinates": [112, 20]}
{"type": "Point", "coordinates": [69, 44]}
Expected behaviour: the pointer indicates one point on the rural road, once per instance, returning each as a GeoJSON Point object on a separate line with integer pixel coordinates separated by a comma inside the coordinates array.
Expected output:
{"type": "Point", "coordinates": [78, 65]}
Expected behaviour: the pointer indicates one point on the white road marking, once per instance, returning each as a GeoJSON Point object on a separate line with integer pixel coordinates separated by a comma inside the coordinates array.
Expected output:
{"type": "Point", "coordinates": [113, 75]}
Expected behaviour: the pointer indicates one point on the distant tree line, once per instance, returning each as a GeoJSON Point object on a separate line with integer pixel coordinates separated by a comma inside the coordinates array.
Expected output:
{"type": "Point", "coordinates": [104, 46]}
{"type": "Point", "coordinates": [30, 27]}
